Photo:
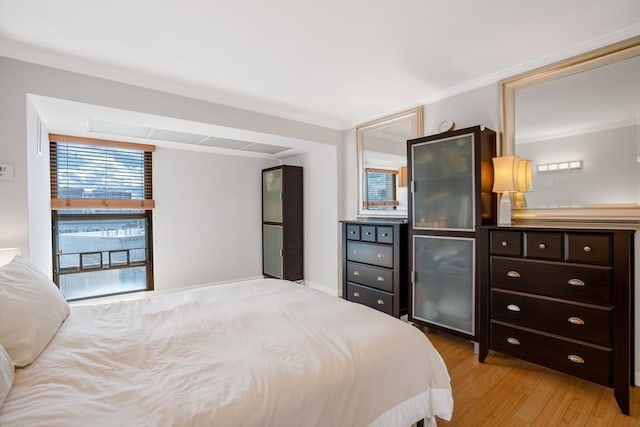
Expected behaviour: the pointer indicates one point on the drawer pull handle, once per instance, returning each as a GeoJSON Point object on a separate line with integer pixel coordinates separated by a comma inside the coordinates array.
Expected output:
{"type": "Point", "coordinates": [353, 231]}
{"type": "Point", "coordinates": [355, 294]}
{"type": "Point", "coordinates": [356, 273]}
{"type": "Point", "coordinates": [380, 302]}
{"type": "Point", "coordinates": [575, 282]}
{"type": "Point", "coordinates": [384, 234]}
{"type": "Point", "coordinates": [513, 307]}
{"type": "Point", "coordinates": [542, 246]}
{"type": "Point", "coordinates": [368, 233]}
{"type": "Point", "coordinates": [587, 248]}
{"type": "Point", "coordinates": [504, 243]}
{"type": "Point", "coordinates": [575, 359]}
{"type": "Point", "coordinates": [380, 279]}
{"type": "Point", "coordinates": [355, 251]}
{"type": "Point", "coordinates": [513, 274]}
{"type": "Point", "coordinates": [513, 341]}
{"type": "Point", "coordinates": [575, 321]}
{"type": "Point", "coordinates": [380, 255]}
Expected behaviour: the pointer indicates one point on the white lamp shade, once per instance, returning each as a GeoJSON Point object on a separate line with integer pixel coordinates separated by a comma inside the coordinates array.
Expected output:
{"type": "Point", "coordinates": [7, 254]}
{"type": "Point", "coordinates": [524, 175]}
{"type": "Point", "coordinates": [402, 177]}
{"type": "Point", "coordinates": [505, 174]}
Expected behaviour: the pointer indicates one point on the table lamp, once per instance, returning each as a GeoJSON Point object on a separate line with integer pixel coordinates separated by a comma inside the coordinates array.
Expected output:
{"type": "Point", "coordinates": [524, 183]}
{"type": "Point", "coordinates": [505, 182]}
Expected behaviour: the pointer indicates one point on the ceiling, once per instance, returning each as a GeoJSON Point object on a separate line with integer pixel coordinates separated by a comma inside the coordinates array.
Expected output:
{"type": "Point", "coordinates": [326, 62]}
{"type": "Point", "coordinates": [62, 116]}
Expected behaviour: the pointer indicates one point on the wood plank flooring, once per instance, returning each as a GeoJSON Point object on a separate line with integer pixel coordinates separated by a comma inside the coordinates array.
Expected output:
{"type": "Point", "coordinates": [506, 391]}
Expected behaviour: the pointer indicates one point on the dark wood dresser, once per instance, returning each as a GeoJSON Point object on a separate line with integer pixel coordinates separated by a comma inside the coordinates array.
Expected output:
{"type": "Point", "coordinates": [374, 264]}
{"type": "Point", "coordinates": [560, 298]}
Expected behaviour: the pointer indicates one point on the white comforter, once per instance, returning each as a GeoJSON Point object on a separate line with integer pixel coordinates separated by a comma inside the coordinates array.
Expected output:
{"type": "Point", "coordinates": [255, 353]}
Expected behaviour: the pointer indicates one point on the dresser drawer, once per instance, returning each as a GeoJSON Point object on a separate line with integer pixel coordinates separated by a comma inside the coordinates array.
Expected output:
{"type": "Point", "coordinates": [373, 298]}
{"type": "Point", "coordinates": [506, 243]}
{"type": "Point", "coordinates": [544, 245]}
{"type": "Point", "coordinates": [380, 278]}
{"type": "Point", "coordinates": [579, 322]}
{"type": "Point", "coordinates": [589, 248]}
{"type": "Point", "coordinates": [368, 233]}
{"type": "Point", "coordinates": [589, 362]}
{"type": "Point", "coordinates": [590, 284]}
{"type": "Point", "coordinates": [370, 253]}
{"type": "Point", "coordinates": [385, 235]}
{"type": "Point", "coordinates": [353, 232]}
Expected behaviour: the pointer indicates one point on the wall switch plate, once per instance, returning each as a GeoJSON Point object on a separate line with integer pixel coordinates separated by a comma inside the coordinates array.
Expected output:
{"type": "Point", "coordinates": [6, 172]}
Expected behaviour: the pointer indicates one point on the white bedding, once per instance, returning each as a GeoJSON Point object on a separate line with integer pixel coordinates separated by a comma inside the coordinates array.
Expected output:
{"type": "Point", "coordinates": [255, 353]}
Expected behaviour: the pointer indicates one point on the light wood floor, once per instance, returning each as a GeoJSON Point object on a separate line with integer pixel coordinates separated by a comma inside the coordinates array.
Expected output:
{"type": "Point", "coordinates": [505, 391]}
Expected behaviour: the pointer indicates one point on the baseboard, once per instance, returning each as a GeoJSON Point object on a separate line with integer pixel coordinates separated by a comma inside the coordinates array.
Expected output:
{"type": "Point", "coordinates": [321, 288]}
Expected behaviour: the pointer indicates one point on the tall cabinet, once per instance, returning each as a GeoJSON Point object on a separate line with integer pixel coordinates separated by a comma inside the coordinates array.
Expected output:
{"type": "Point", "coordinates": [450, 195]}
{"type": "Point", "coordinates": [282, 223]}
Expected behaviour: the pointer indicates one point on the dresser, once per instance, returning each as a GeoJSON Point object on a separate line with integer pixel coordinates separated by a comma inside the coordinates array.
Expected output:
{"type": "Point", "coordinates": [374, 264]}
{"type": "Point", "coordinates": [560, 298]}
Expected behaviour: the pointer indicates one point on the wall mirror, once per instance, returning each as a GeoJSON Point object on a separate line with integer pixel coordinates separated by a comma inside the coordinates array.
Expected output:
{"type": "Point", "coordinates": [382, 163]}
{"type": "Point", "coordinates": [579, 122]}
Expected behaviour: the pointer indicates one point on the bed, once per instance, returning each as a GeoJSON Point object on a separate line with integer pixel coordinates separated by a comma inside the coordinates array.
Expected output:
{"type": "Point", "coordinates": [254, 353]}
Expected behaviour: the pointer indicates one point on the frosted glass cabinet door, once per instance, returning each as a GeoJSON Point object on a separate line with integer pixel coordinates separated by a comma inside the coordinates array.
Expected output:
{"type": "Point", "coordinates": [272, 250]}
{"type": "Point", "coordinates": [272, 195]}
{"type": "Point", "coordinates": [442, 171]}
{"type": "Point", "coordinates": [444, 292]}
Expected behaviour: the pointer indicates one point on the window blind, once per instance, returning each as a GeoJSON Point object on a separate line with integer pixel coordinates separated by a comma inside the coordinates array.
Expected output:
{"type": "Point", "coordinates": [381, 188]}
{"type": "Point", "coordinates": [98, 174]}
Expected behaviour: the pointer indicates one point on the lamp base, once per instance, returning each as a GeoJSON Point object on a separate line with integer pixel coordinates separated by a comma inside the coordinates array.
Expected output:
{"type": "Point", "coordinates": [504, 214]}
{"type": "Point", "coordinates": [519, 201]}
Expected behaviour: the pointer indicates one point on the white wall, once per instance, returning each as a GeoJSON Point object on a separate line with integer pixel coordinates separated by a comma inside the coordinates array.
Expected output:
{"type": "Point", "coordinates": [24, 222]}
{"type": "Point", "coordinates": [321, 235]}
{"type": "Point", "coordinates": [207, 221]}
{"type": "Point", "coordinates": [476, 107]}
{"type": "Point", "coordinates": [38, 191]}
{"type": "Point", "coordinates": [349, 175]}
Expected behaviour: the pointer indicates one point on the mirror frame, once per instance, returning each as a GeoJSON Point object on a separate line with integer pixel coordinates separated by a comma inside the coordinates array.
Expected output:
{"type": "Point", "coordinates": [605, 55]}
{"type": "Point", "coordinates": [416, 115]}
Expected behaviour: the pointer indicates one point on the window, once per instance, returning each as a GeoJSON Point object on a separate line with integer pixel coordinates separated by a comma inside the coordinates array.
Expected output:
{"type": "Point", "coordinates": [101, 197]}
{"type": "Point", "coordinates": [381, 189]}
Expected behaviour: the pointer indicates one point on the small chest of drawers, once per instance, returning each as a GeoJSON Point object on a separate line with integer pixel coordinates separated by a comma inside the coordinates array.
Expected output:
{"type": "Point", "coordinates": [560, 298]}
{"type": "Point", "coordinates": [374, 267]}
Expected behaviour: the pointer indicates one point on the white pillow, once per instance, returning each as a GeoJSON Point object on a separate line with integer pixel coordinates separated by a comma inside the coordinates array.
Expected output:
{"type": "Point", "coordinates": [7, 371]}
{"type": "Point", "coordinates": [31, 310]}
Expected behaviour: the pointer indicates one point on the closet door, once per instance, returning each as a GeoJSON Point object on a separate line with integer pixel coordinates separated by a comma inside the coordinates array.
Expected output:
{"type": "Point", "coordinates": [272, 250]}
{"type": "Point", "coordinates": [272, 195]}
{"type": "Point", "coordinates": [443, 184]}
{"type": "Point", "coordinates": [444, 287]}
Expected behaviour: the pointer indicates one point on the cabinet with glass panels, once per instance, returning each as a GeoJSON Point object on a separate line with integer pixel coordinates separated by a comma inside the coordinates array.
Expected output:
{"type": "Point", "coordinates": [450, 195]}
{"type": "Point", "coordinates": [282, 224]}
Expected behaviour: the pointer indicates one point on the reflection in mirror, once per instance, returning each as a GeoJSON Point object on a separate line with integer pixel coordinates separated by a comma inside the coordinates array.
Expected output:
{"type": "Point", "coordinates": [580, 126]}
{"type": "Point", "coordinates": [382, 163]}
